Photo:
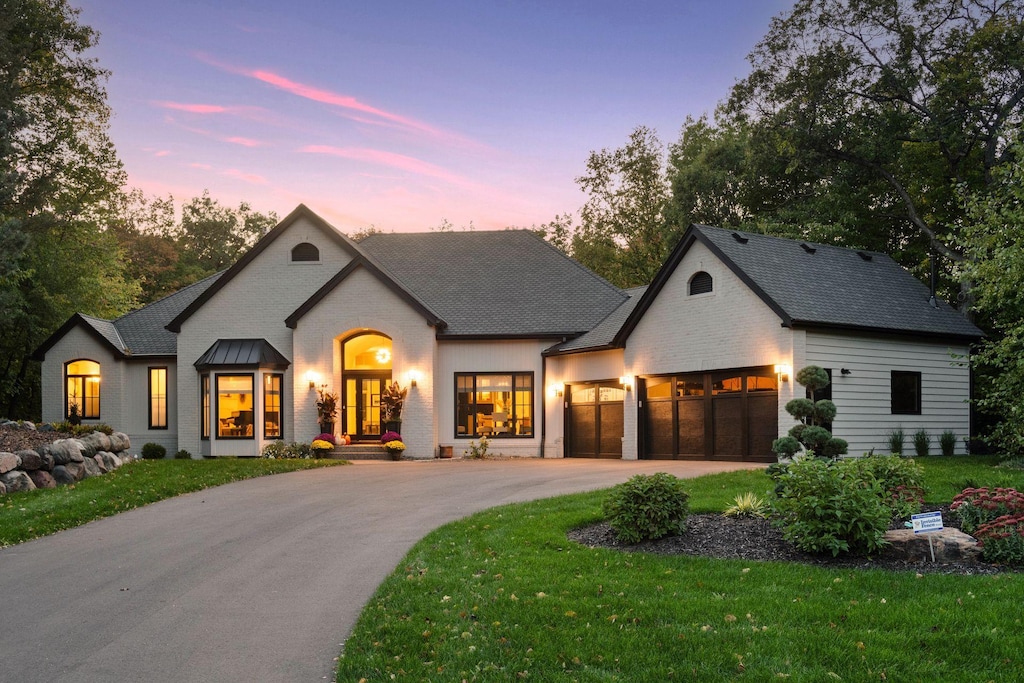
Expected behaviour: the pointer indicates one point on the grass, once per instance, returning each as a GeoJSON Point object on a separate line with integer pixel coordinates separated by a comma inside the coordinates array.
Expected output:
{"type": "Point", "coordinates": [503, 595]}
{"type": "Point", "coordinates": [30, 514]}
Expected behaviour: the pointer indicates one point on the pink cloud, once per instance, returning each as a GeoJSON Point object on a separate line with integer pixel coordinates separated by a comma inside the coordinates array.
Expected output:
{"type": "Point", "coordinates": [192, 108]}
{"type": "Point", "coordinates": [204, 167]}
{"type": "Point", "coordinates": [252, 178]}
{"type": "Point", "coordinates": [157, 152]}
{"type": "Point", "coordinates": [245, 142]}
{"type": "Point", "coordinates": [389, 159]}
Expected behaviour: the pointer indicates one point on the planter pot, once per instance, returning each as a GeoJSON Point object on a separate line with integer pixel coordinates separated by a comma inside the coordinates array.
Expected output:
{"type": "Point", "coordinates": [395, 455]}
{"type": "Point", "coordinates": [326, 427]}
{"type": "Point", "coordinates": [444, 451]}
{"type": "Point", "coordinates": [393, 426]}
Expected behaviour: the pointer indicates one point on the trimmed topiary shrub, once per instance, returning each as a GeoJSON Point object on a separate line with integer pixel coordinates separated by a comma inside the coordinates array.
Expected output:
{"type": "Point", "coordinates": [153, 451]}
{"type": "Point", "coordinates": [811, 416]}
{"type": "Point", "coordinates": [647, 507]}
{"type": "Point", "coordinates": [831, 506]}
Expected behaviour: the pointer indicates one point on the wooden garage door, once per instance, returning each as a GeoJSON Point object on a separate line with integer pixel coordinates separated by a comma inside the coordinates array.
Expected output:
{"type": "Point", "coordinates": [595, 421]}
{"type": "Point", "coordinates": [725, 415]}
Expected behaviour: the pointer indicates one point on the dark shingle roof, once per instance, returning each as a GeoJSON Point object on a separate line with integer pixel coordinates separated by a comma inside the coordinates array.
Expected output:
{"type": "Point", "coordinates": [502, 283]}
{"type": "Point", "coordinates": [820, 285]}
{"type": "Point", "coordinates": [144, 330]}
{"type": "Point", "coordinates": [603, 335]}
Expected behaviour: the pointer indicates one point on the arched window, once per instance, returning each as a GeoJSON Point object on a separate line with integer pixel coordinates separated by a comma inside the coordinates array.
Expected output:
{"type": "Point", "coordinates": [305, 252]}
{"type": "Point", "coordinates": [82, 381]}
{"type": "Point", "coordinates": [700, 283]}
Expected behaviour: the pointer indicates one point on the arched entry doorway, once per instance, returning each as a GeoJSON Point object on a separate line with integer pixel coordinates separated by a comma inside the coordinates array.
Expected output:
{"type": "Point", "coordinates": [366, 371]}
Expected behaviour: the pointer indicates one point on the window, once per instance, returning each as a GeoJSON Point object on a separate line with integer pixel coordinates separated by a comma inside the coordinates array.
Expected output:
{"type": "Point", "coordinates": [204, 401]}
{"type": "Point", "coordinates": [83, 389]}
{"type": "Point", "coordinates": [234, 407]}
{"type": "Point", "coordinates": [498, 405]}
{"type": "Point", "coordinates": [305, 253]}
{"type": "Point", "coordinates": [700, 283]}
{"type": "Point", "coordinates": [272, 406]}
{"type": "Point", "coordinates": [158, 398]}
{"type": "Point", "coordinates": [906, 393]}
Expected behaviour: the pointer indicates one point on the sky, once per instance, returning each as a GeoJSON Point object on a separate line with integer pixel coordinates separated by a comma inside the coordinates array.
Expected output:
{"type": "Point", "coordinates": [405, 115]}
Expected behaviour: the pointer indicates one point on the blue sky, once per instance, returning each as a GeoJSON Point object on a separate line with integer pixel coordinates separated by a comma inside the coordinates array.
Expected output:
{"type": "Point", "coordinates": [404, 114]}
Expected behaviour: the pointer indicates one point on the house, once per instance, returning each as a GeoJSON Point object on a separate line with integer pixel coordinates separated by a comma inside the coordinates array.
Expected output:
{"type": "Point", "coordinates": [498, 334]}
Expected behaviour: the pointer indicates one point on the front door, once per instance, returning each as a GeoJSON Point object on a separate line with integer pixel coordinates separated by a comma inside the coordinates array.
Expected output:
{"type": "Point", "coordinates": [362, 405]}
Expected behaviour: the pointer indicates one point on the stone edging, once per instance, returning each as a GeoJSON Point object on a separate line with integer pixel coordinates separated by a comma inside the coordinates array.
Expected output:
{"type": "Point", "coordinates": [64, 461]}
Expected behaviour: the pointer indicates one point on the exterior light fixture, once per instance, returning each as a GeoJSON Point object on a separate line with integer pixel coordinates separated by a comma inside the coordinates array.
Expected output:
{"type": "Point", "coordinates": [783, 372]}
{"type": "Point", "coordinates": [627, 382]}
{"type": "Point", "coordinates": [312, 377]}
{"type": "Point", "coordinates": [555, 390]}
{"type": "Point", "coordinates": [845, 371]}
{"type": "Point", "coordinates": [414, 377]}
{"type": "Point", "coordinates": [383, 356]}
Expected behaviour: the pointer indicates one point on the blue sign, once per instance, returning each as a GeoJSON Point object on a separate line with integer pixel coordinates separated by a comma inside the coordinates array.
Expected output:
{"type": "Point", "coordinates": [927, 521]}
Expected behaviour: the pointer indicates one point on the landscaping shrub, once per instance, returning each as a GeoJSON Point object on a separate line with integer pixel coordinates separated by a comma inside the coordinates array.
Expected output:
{"type": "Point", "coordinates": [279, 450]}
{"type": "Point", "coordinates": [977, 507]}
{"type": "Point", "coordinates": [947, 442]}
{"type": "Point", "coordinates": [153, 451]}
{"type": "Point", "coordinates": [1002, 540]}
{"type": "Point", "coordinates": [747, 504]}
{"type": "Point", "coordinates": [811, 416]}
{"type": "Point", "coordinates": [329, 438]}
{"type": "Point", "coordinates": [477, 451]}
{"type": "Point", "coordinates": [922, 443]}
{"type": "Point", "coordinates": [902, 482]}
{"type": "Point", "coordinates": [183, 455]}
{"type": "Point", "coordinates": [647, 507]}
{"type": "Point", "coordinates": [895, 438]}
{"type": "Point", "coordinates": [82, 430]}
{"type": "Point", "coordinates": [834, 507]}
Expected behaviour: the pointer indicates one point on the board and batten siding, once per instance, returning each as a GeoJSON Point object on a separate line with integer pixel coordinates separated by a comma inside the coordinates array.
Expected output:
{"type": "Point", "coordinates": [863, 397]}
{"type": "Point", "coordinates": [483, 357]}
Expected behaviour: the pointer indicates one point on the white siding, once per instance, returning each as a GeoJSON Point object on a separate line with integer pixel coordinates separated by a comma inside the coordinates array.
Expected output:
{"type": "Point", "coordinates": [364, 303]}
{"type": "Point", "coordinates": [489, 356]}
{"type": "Point", "coordinates": [253, 305]}
{"type": "Point", "coordinates": [728, 328]}
{"type": "Point", "coordinates": [863, 397]}
{"type": "Point", "coordinates": [136, 405]}
{"type": "Point", "coordinates": [579, 367]}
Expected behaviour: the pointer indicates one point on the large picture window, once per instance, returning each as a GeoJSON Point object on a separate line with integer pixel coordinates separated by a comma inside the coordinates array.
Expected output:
{"type": "Point", "coordinates": [906, 393]}
{"type": "Point", "coordinates": [498, 405]}
{"type": "Point", "coordinates": [158, 398]}
{"type": "Point", "coordinates": [272, 406]}
{"type": "Point", "coordinates": [234, 407]}
{"type": "Point", "coordinates": [82, 381]}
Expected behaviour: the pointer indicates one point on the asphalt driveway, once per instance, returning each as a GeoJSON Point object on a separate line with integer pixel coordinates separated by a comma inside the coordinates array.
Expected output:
{"type": "Point", "coordinates": [258, 580]}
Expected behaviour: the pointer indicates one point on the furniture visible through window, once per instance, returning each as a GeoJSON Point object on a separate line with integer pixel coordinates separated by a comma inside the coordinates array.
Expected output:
{"type": "Point", "coordinates": [272, 406]}
{"type": "Point", "coordinates": [906, 392]}
{"type": "Point", "coordinates": [701, 283]}
{"type": "Point", "coordinates": [305, 252]}
{"type": "Point", "coordinates": [234, 406]}
{"type": "Point", "coordinates": [158, 398]}
{"type": "Point", "coordinates": [495, 405]}
{"type": "Point", "coordinates": [82, 384]}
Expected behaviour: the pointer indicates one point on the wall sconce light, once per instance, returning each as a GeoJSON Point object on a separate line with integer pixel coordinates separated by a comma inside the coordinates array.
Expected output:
{"type": "Point", "coordinates": [555, 390]}
{"type": "Point", "coordinates": [783, 372]}
{"type": "Point", "coordinates": [845, 371]}
{"type": "Point", "coordinates": [312, 378]}
{"type": "Point", "coordinates": [627, 382]}
{"type": "Point", "coordinates": [414, 377]}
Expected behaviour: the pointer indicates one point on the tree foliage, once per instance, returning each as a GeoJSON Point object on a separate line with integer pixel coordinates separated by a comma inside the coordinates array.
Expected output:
{"type": "Point", "coordinates": [992, 236]}
{"type": "Point", "coordinates": [59, 174]}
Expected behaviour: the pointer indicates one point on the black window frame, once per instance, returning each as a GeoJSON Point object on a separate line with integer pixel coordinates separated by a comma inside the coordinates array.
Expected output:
{"type": "Point", "coordinates": [901, 404]}
{"type": "Point", "coordinates": [279, 377]}
{"type": "Point", "coordinates": [305, 252]}
{"type": "Point", "coordinates": [216, 391]}
{"type": "Point", "coordinates": [513, 415]}
{"type": "Point", "coordinates": [99, 391]}
{"type": "Point", "coordinates": [151, 398]}
{"type": "Point", "coordinates": [204, 406]}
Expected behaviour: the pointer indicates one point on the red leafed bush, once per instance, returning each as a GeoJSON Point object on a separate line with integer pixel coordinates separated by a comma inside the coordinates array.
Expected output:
{"type": "Point", "coordinates": [977, 507]}
{"type": "Point", "coordinates": [1002, 540]}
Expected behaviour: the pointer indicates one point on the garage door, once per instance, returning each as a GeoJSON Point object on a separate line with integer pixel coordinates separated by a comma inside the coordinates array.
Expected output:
{"type": "Point", "coordinates": [595, 420]}
{"type": "Point", "coordinates": [723, 415]}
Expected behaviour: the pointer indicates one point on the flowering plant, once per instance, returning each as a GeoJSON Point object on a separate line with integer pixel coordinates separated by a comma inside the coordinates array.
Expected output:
{"type": "Point", "coordinates": [395, 446]}
{"type": "Point", "coordinates": [980, 506]}
{"type": "Point", "coordinates": [329, 438]}
{"type": "Point", "coordinates": [321, 445]}
{"type": "Point", "coordinates": [390, 436]}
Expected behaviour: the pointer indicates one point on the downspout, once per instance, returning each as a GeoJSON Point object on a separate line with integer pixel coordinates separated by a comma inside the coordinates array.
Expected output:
{"type": "Point", "coordinates": [544, 403]}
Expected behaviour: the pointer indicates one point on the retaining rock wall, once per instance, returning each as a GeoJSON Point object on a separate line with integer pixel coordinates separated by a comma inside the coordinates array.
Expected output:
{"type": "Point", "coordinates": [64, 461]}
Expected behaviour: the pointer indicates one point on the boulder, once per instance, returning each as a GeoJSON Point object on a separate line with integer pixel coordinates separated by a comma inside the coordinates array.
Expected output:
{"type": "Point", "coordinates": [62, 476]}
{"type": "Point", "coordinates": [46, 428]}
{"type": "Point", "coordinates": [30, 460]}
{"type": "Point", "coordinates": [75, 469]}
{"type": "Point", "coordinates": [951, 545]}
{"type": "Point", "coordinates": [108, 461]}
{"type": "Point", "coordinates": [17, 481]}
{"type": "Point", "coordinates": [98, 459]}
{"type": "Point", "coordinates": [91, 468]}
{"type": "Point", "coordinates": [31, 426]}
{"type": "Point", "coordinates": [42, 479]}
{"type": "Point", "coordinates": [47, 462]}
{"type": "Point", "coordinates": [3, 488]}
{"type": "Point", "coordinates": [119, 442]}
{"type": "Point", "coordinates": [66, 450]}
{"type": "Point", "coordinates": [8, 462]}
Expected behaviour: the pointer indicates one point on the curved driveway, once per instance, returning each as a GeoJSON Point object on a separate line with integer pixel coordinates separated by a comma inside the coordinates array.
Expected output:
{"type": "Point", "coordinates": [253, 581]}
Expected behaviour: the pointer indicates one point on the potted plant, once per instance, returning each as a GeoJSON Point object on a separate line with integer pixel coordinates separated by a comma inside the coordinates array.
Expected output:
{"type": "Point", "coordinates": [393, 444]}
{"type": "Point", "coordinates": [326, 409]}
{"type": "Point", "coordinates": [392, 399]}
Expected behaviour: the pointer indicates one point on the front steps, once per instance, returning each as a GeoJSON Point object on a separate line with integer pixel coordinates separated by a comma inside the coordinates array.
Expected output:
{"type": "Point", "coordinates": [360, 452]}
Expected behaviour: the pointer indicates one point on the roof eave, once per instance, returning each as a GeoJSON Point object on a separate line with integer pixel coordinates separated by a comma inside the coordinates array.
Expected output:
{"type": "Point", "coordinates": [886, 331]}
{"type": "Point", "coordinates": [40, 352]}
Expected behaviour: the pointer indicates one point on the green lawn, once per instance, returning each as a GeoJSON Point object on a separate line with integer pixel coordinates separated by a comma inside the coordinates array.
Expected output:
{"type": "Point", "coordinates": [503, 596]}
{"type": "Point", "coordinates": [30, 514]}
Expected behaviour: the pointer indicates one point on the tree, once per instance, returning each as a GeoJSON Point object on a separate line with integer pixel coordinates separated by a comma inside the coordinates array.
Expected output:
{"type": "Point", "coordinates": [58, 176]}
{"type": "Point", "coordinates": [908, 100]}
{"type": "Point", "coordinates": [624, 233]}
{"type": "Point", "coordinates": [991, 237]}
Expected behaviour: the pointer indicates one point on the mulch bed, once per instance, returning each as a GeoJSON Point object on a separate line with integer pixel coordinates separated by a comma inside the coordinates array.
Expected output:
{"type": "Point", "coordinates": [753, 538]}
{"type": "Point", "coordinates": [14, 439]}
